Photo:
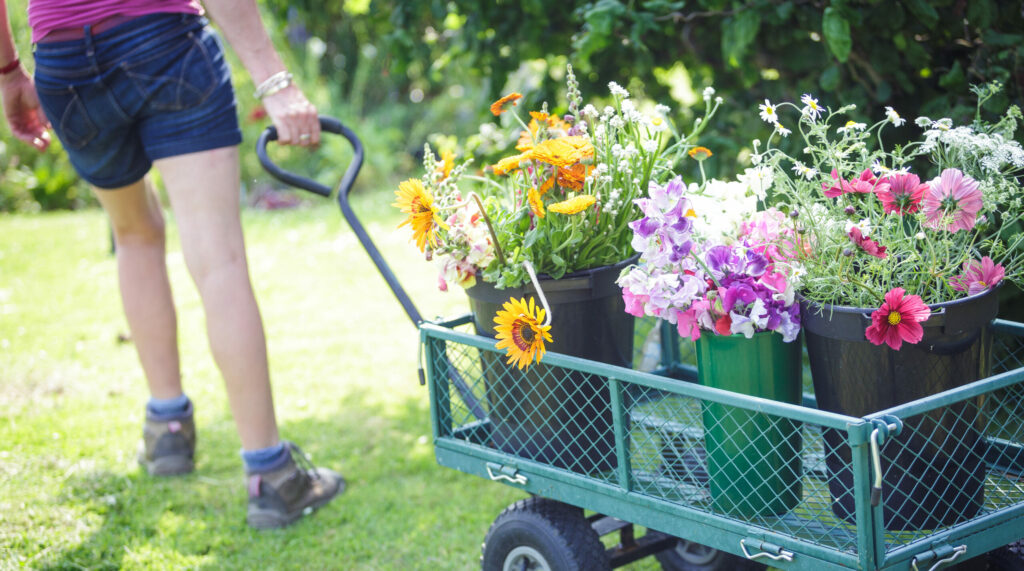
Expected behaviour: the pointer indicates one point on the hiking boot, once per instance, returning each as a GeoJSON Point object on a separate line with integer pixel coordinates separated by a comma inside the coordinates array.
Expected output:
{"type": "Point", "coordinates": [279, 497]}
{"type": "Point", "coordinates": [168, 446]}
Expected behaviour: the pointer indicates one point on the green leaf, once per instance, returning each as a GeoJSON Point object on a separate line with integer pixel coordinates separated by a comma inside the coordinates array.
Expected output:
{"type": "Point", "coordinates": [737, 34]}
{"type": "Point", "coordinates": [923, 11]}
{"type": "Point", "coordinates": [530, 239]}
{"type": "Point", "coordinates": [837, 33]}
{"type": "Point", "coordinates": [981, 13]}
{"type": "Point", "coordinates": [953, 78]}
{"type": "Point", "coordinates": [829, 79]}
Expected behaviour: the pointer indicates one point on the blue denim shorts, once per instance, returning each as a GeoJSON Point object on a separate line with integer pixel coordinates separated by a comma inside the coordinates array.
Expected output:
{"type": "Point", "coordinates": [153, 87]}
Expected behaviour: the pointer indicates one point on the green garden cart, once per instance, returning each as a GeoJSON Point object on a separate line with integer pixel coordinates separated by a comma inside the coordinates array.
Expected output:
{"type": "Point", "coordinates": [633, 456]}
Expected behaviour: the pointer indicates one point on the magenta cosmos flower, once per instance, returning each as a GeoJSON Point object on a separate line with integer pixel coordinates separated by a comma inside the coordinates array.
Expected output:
{"type": "Point", "coordinates": [978, 276]}
{"type": "Point", "coordinates": [863, 184]}
{"type": "Point", "coordinates": [898, 320]}
{"type": "Point", "coordinates": [903, 195]}
{"type": "Point", "coordinates": [867, 244]}
{"type": "Point", "coordinates": [952, 201]}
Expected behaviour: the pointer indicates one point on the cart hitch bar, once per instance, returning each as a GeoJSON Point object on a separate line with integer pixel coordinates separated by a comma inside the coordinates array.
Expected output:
{"type": "Point", "coordinates": [332, 125]}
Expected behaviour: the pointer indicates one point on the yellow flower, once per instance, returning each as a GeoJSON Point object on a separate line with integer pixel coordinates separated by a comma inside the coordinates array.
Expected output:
{"type": "Point", "coordinates": [555, 126]}
{"type": "Point", "coordinates": [498, 107]}
{"type": "Point", "coordinates": [536, 204]}
{"type": "Point", "coordinates": [509, 164]}
{"type": "Point", "coordinates": [563, 151]}
{"type": "Point", "coordinates": [573, 177]}
{"type": "Point", "coordinates": [699, 153]}
{"type": "Point", "coordinates": [520, 332]}
{"type": "Point", "coordinates": [573, 205]}
{"type": "Point", "coordinates": [444, 168]}
{"type": "Point", "coordinates": [416, 201]}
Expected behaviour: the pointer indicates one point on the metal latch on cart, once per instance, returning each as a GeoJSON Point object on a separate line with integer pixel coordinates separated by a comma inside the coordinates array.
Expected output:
{"type": "Point", "coordinates": [510, 473]}
{"type": "Point", "coordinates": [942, 555]}
{"type": "Point", "coordinates": [765, 549]}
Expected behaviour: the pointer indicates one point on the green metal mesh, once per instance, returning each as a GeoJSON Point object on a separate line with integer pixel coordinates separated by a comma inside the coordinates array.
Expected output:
{"type": "Point", "coordinates": [948, 465]}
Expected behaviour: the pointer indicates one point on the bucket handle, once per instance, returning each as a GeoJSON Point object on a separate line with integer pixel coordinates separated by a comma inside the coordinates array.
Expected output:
{"type": "Point", "coordinates": [540, 292]}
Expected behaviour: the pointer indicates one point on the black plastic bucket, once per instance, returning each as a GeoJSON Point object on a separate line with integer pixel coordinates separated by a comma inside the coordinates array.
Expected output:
{"type": "Point", "coordinates": [934, 468]}
{"type": "Point", "coordinates": [549, 414]}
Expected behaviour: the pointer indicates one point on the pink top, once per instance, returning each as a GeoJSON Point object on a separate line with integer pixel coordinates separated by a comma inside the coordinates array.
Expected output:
{"type": "Point", "coordinates": [45, 16]}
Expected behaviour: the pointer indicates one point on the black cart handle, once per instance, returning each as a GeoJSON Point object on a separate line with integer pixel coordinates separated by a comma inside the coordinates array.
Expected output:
{"type": "Point", "coordinates": [332, 125]}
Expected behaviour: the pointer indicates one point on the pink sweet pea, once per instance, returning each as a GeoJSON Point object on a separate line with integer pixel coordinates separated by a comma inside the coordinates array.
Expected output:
{"type": "Point", "coordinates": [898, 320]}
{"type": "Point", "coordinates": [634, 303]}
{"type": "Point", "coordinates": [978, 276]}
{"type": "Point", "coordinates": [687, 324]}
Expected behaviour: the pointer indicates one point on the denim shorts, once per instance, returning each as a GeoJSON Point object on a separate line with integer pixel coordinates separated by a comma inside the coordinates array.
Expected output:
{"type": "Point", "coordinates": [153, 87]}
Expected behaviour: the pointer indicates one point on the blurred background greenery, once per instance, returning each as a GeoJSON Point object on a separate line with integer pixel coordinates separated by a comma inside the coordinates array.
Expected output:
{"type": "Point", "coordinates": [402, 73]}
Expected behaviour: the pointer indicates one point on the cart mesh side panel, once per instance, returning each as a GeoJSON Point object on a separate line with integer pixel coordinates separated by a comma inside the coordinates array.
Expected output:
{"type": "Point", "coordinates": [956, 457]}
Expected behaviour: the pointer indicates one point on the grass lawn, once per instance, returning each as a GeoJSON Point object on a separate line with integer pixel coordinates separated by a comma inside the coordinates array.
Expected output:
{"type": "Point", "coordinates": [342, 358]}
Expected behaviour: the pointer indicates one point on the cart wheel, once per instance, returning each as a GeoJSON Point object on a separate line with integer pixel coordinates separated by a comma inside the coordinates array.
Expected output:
{"type": "Point", "coordinates": [538, 534]}
{"type": "Point", "coordinates": [1007, 558]}
{"type": "Point", "coordinates": [690, 556]}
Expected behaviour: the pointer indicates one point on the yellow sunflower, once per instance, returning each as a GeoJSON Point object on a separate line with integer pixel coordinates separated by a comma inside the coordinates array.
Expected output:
{"type": "Point", "coordinates": [498, 107]}
{"type": "Point", "coordinates": [416, 201]}
{"type": "Point", "coordinates": [520, 332]}
{"type": "Point", "coordinates": [574, 205]}
{"type": "Point", "coordinates": [536, 204]}
{"type": "Point", "coordinates": [563, 151]}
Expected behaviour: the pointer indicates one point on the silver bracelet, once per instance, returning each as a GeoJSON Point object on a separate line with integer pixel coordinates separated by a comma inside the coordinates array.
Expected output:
{"type": "Point", "coordinates": [273, 84]}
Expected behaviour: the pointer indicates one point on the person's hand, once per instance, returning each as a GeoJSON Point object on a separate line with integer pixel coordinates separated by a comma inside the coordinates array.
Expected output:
{"type": "Point", "coordinates": [294, 116]}
{"type": "Point", "coordinates": [21, 106]}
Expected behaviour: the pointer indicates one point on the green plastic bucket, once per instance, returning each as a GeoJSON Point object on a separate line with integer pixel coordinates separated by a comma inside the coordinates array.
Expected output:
{"type": "Point", "coordinates": [753, 459]}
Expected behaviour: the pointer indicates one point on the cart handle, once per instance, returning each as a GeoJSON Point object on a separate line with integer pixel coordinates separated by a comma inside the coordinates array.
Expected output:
{"type": "Point", "coordinates": [332, 125]}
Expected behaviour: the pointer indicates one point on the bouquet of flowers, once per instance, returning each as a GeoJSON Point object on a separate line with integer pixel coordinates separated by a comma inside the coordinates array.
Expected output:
{"type": "Point", "coordinates": [560, 203]}
{"type": "Point", "coordinates": [896, 228]}
{"type": "Point", "coordinates": [709, 260]}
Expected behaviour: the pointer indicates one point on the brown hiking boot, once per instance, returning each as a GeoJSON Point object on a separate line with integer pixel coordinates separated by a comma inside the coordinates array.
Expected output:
{"type": "Point", "coordinates": [280, 497]}
{"type": "Point", "coordinates": [168, 446]}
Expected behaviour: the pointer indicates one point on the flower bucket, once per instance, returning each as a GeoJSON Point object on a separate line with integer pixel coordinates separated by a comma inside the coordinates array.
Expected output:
{"type": "Point", "coordinates": [549, 414]}
{"type": "Point", "coordinates": [753, 459]}
{"type": "Point", "coordinates": [934, 468]}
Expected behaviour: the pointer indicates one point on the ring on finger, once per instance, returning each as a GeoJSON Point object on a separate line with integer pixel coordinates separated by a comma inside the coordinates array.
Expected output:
{"type": "Point", "coordinates": [304, 137]}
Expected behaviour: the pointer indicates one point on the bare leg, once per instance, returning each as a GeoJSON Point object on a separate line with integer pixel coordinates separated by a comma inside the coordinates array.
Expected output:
{"type": "Point", "coordinates": [139, 239]}
{"type": "Point", "coordinates": [204, 190]}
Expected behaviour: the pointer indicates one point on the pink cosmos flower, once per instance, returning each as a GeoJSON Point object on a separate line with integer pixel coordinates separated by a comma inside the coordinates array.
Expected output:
{"type": "Point", "coordinates": [903, 195]}
{"type": "Point", "coordinates": [898, 320]}
{"type": "Point", "coordinates": [865, 184]}
{"type": "Point", "coordinates": [978, 276]}
{"type": "Point", "coordinates": [867, 244]}
{"type": "Point", "coordinates": [836, 189]}
{"type": "Point", "coordinates": [953, 194]}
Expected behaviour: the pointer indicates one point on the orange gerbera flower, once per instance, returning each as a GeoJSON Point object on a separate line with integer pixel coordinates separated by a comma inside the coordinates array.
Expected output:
{"type": "Point", "coordinates": [416, 201]}
{"type": "Point", "coordinates": [498, 107]}
{"type": "Point", "coordinates": [573, 177]}
{"type": "Point", "coordinates": [699, 153]}
{"type": "Point", "coordinates": [509, 164]}
{"type": "Point", "coordinates": [563, 151]}
{"type": "Point", "coordinates": [520, 332]}
{"type": "Point", "coordinates": [573, 205]}
{"type": "Point", "coordinates": [536, 204]}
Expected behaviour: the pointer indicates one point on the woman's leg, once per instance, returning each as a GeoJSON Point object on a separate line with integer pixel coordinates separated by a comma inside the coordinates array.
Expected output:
{"type": "Point", "coordinates": [139, 240]}
{"type": "Point", "coordinates": [204, 190]}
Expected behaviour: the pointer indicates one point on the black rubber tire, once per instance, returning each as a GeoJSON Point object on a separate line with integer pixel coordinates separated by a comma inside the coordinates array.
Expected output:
{"type": "Point", "coordinates": [690, 556]}
{"type": "Point", "coordinates": [544, 534]}
{"type": "Point", "coordinates": [1007, 558]}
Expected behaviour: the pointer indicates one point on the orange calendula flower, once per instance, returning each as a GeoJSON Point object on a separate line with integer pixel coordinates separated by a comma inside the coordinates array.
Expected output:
{"type": "Point", "coordinates": [536, 204]}
{"type": "Point", "coordinates": [498, 107]}
{"type": "Point", "coordinates": [509, 164]}
{"type": "Point", "coordinates": [573, 177]}
{"type": "Point", "coordinates": [416, 201]}
{"type": "Point", "coordinates": [573, 205]}
{"type": "Point", "coordinates": [519, 330]}
{"type": "Point", "coordinates": [546, 185]}
{"type": "Point", "coordinates": [699, 153]}
{"type": "Point", "coordinates": [563, 151]}
{"type": "Point", "coordinates": [539, 115]}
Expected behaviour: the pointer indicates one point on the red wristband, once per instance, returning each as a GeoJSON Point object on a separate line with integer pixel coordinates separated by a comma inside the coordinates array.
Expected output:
{"type": "Point", "coordinates": [10, 67]}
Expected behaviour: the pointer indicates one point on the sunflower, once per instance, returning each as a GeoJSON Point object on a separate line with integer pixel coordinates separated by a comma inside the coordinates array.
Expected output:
{"type": "Point", "coordinates": [520, 332]}
{"type": "Point", "coordinates": [498, 107]}
{"type": "Point", "coordinates": [536, 204]}
{"type": "Point", "coordinates": [564, 151]}
{"type": "Point", "coordinates": [416, 201]}
{"type": "Point", "coordinates": [574, 205]}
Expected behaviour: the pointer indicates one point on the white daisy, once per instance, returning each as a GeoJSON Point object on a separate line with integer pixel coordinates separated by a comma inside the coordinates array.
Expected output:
{"type": "Point", "coordinates": [768, 113]}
